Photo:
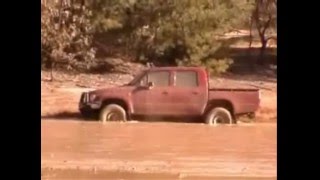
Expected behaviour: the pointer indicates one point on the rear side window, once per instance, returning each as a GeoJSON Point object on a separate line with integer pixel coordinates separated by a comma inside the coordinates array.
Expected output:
{"type": "Point", "coordinates": [159, 78]}
{"type": "Point", "coordinates": [186, 79]}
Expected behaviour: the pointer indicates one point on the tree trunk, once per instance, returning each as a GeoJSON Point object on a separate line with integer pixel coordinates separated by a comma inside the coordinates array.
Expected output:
{"type": "Point", "coordinates": [263, 48]}
{"type": "Point", "coordinates": [249, 54]}
{"type": "Point", "coordinates": [60, 14]}
{"type": "Point", "coordinates": [51, 73]}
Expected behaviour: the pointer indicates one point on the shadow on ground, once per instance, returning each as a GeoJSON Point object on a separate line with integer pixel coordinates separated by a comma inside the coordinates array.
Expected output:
{"type": "Point", "coordinates": [63, 116]}
{"type": "Point", "coordinates": [77, 116]}
{"type": "Point", "coordinates": [167, 119]}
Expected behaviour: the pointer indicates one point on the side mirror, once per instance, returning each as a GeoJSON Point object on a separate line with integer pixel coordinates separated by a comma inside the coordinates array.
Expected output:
{"type": "Point", "coordinates": [150, 85]}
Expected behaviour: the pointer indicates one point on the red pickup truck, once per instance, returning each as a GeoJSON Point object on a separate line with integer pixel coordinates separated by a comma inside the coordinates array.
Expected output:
{"type": "Point", "coordinates": [170, 91]}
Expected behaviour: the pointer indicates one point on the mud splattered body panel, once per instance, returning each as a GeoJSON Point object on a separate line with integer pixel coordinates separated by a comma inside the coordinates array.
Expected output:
{"type": "Point", "coordinates": [173, 91]}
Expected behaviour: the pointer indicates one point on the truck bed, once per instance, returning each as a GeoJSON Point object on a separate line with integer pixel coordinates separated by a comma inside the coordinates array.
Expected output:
{"type": "Point", "coordinates": [232, 89]}
{"type": "Point", "coordinates": [243, 100]}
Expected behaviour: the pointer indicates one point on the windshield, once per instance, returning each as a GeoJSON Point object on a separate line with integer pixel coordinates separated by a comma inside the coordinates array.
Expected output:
{"type": "Point", "coordinates": [136, 78]}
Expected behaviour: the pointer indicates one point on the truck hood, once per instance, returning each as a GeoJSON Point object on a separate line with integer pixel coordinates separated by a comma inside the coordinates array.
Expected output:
{"type": "Point", "coordinates": [112, 90]}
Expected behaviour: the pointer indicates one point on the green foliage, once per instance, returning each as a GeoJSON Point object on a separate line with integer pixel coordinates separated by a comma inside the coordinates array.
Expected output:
{"type": "Point", "coordinates": [264, 18]}
{"type": "Point", "coordinates": [66, 37]}
{"type": "Point", "coordinates": [218, 66]}
{"type": "Point", "coordinates": [214, 66]}
{"type": "Point", "coordinates": [187, 33]}
{"type": "Point", "coordinates": [166, 32]}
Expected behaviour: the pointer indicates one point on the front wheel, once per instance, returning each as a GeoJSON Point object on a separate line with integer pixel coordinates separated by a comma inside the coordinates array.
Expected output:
{"type": "Point", "coordinates": [112, 112]}
{"type": "Point", "coordinates": [219, 115]}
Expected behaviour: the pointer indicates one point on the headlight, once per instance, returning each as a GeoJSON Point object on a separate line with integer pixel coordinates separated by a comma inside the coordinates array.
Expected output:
{"type": "Point", "coordinates": [93, 97]}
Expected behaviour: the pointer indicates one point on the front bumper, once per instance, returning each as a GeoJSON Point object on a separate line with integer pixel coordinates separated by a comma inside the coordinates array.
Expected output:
{"type": "Point", "coordinates": [86, 105]}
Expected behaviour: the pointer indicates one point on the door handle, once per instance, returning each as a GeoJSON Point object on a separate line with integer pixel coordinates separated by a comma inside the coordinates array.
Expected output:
{"type": "Point", "coordinates": [165, 92]}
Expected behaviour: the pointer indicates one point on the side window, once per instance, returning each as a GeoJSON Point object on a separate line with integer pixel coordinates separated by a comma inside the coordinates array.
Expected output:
{"type": "Point", "coordinates": [143, 81]}
{"type": "Point", "coordinates": [159, 78]}
{"type": "Point", "coordinates": [186, 79]}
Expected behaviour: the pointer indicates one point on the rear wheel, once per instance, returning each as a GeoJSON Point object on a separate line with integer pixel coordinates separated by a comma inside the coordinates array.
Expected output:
{"type": "Point", "coordinates": [252, 115]}
{"type": "Point", "coordinates": [219, 115]}
{"type": "Point", "coordinates": [112, 112]}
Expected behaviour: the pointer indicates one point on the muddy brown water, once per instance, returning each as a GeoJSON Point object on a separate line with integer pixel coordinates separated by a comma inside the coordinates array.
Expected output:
{"type": "Point", "coordinates": [155, 150]}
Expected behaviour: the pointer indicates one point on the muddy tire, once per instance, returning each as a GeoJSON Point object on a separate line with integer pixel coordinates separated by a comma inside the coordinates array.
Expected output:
{"type": "Point", "coordinates": [252, 116]}
{"type": "Point", "coordinates": [219, 115]}
{"type": "Point", "coordinates": [112, 112]}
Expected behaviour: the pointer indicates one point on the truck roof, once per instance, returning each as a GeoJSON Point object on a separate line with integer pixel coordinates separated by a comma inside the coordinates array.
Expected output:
{"type": "Point", "coordinates": [176, 68]}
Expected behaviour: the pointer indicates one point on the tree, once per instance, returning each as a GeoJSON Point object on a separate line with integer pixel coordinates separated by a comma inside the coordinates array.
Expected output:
{"type": "Point", "coordinates": [66, 35]}
{"type": "Point", "coordinates": [264, 17]}
{"type": "Point", "coordinates": [166, 32]}
{"type": "Point", "coordinates": [186, 32]}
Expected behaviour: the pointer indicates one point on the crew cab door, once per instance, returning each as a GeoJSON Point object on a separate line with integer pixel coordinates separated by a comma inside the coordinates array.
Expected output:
{"type": "Point", "coordinates": [189, 93]}
{"type": "Point", "coordinates": [154, 100]}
